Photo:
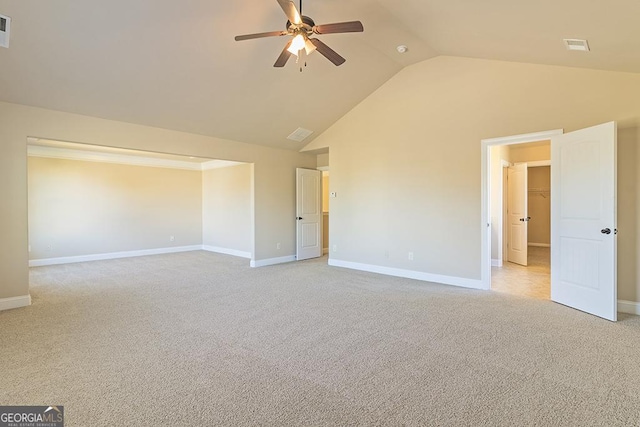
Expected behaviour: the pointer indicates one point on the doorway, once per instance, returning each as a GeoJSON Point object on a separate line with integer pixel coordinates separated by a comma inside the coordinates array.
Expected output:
{"type": "Point", "coordinates": [520, 220]}
{"type": "Point", "coordinates": [497, 272]}
{"type": "Point", "coordinates": [89, 202]}
{"type": "Point", "coordinates": [583, 215]}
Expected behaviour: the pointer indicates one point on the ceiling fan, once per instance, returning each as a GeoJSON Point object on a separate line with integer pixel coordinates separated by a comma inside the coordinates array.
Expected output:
{"type": "Point", "coordinates": [302, 28]}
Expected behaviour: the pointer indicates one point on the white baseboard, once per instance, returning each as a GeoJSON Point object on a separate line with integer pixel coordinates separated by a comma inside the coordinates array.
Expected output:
{"type": "Point", "coordinates": [112, 255]}
{"type": "Point", "coordinates": [15, 302]}
{"type": "Point", "coordinates": [409, 274]}
{"type": "Point", "coordinates": [272, 261]}
{"type": "Point", "coordinates": [226, 251]}
{"type": "Point", "coordinates": [496, 263]}
{"type": "Point", "coordinates": [539, 245]}
{"type": "Point", "coordinates": [629, 307]}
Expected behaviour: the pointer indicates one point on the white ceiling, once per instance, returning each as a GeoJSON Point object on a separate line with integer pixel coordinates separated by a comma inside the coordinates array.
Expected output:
{"type": "Point", "coordinates": [175, 64]}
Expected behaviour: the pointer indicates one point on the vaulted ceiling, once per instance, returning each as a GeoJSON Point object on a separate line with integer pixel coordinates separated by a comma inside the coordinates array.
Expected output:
{"type": "Point", "coordinates": [175, 64]}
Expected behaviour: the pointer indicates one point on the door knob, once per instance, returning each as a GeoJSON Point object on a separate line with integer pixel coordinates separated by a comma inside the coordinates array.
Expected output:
{"type": "Point", "coordinates": [525, 219]}
{"type": "Point", "coordinates": [298, 218]}
{"type": "Point", "coordinates": [605, 231]}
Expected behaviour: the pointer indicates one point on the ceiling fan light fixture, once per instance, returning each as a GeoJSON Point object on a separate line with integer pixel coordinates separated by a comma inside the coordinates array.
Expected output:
{"type": "Point", "coordinates": [297, 44]}
{"type": "Point", "coordinates": [300, 28]}
{"type": "Point", "coordinates": [309, 47]}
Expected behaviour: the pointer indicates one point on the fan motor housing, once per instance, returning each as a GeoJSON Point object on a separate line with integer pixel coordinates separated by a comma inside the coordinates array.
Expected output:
{"type": "Point", "coordinates": [307, 23]}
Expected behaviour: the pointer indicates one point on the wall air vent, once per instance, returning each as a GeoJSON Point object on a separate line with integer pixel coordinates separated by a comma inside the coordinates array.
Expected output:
{"type": "Point", "coordinates": [577, 44]}
{"type": "Point", "coordinates": [300, 134]}
{"type": "Point", "coordinates": [5, 29]}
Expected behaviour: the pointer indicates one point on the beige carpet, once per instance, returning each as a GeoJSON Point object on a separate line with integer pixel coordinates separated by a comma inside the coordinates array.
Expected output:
{"type": "Point", "coordinates": [201, 339]}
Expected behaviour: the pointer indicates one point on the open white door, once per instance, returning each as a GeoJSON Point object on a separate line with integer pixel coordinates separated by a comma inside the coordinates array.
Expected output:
{"type": "Point", "coordinates": [517, 214]}
{"type": "Point", "coordinates": [583, 220]}
{"type": "Point", "coordinates": [308, 213]}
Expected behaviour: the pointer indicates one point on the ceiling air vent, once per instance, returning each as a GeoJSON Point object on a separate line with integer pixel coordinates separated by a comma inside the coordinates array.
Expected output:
{"type": "Point", "coordinates": [5, 27]}
{"type": "Point", "coordinates": [300, 134]}
{"type": "Point", "coordinates": [577, 44]}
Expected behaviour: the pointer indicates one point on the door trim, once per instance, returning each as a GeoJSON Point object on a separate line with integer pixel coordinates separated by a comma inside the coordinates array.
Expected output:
{"type": "Point", "coordinates": [485, 214]}
{"type": "Point", "coordinates": [502, 216]}
{"type": "Point", "coordinates": [539, 163]}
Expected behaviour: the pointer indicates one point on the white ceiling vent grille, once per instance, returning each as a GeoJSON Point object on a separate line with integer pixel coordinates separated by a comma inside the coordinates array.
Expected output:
{"type": "Point", "coordinates": [5, 27]}
{"type": "Point", "coordinates": [577, 44]}
{"type": "Point", "coordinates": [300, 134]}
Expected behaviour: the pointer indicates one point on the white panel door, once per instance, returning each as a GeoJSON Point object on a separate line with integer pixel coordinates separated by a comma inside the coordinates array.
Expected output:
{"type": "Point", "coordinates": [583, 220]}
{"type": "Point", "coordinates": [308, 213]}
{"type": "Point", "coordinates": [517, 214]}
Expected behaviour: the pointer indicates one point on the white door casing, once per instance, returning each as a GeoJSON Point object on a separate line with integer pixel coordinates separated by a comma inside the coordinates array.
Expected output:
{"type": "Point", "coordinates": [308, 213]}
{"type": "Point", "coordinates": [485, 213]}
{"type": "Point", "coordinates": [583, 220]}
{"type": "Point", "coordinates": [518, 219]}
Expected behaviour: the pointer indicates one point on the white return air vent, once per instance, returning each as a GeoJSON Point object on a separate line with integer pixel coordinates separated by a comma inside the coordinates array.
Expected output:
{"type": "Point", "coordinates": [5, 29]}
{"type": "Point", "coordinates": [577, 44]}
{"type": "Point", "coordinates": [300, 134]}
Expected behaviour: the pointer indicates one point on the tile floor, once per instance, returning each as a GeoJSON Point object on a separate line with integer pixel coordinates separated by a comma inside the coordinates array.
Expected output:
{"type": "Point", "coordinates": [532, 281]}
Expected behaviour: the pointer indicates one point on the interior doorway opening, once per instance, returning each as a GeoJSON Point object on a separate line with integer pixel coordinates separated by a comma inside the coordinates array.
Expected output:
{"type": "Point", "coordinates": [88, 202]}
{"type": "Point", "coordinates": [512, 264]}
{"type": "Point", "coordinates": [523, 238]}
{"type": "Point", "coordinates": [323, 165]}
{"type": "Point", "coordinates": [583, 215]}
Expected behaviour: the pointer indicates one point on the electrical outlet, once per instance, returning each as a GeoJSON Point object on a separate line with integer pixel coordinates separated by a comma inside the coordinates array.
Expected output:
{"type": "Point", "coordinates": [172, 238]}
{"type": "Point", "coordinates": [386, 254]}
{"type": "Point", "coordinates": [277, 245]}
{"type": "Point", "coordinates": [335, 248]}
{"type": "Point", "coordinates": [410, 256]}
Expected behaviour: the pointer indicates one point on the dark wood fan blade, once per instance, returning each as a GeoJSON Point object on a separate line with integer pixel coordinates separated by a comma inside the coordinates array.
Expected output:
{"type": "Point", "coordinates": [327, 52]}
{"type": "Point", "coordinates": [261, 35]}
{"type": "Point", "coordinates": [340, 27]}
{"type": "Point", "coordinates": [284, 56]}
{"type": "Point", "coordinates": [291, 11]}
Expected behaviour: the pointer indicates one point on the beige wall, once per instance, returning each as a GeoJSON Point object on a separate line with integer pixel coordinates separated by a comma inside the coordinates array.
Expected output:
{"type": "Point", "coordinates": [532, 152]}
{"type": "Point", "coordinates": [406, 161]}
{"type": "Point", "coordinates": [539, 203]}
{"type": "Point", "coordinates": [274, 177]}
{"type": "Point", "coordinates": [322, 160]}
{"type": "Point", "coordinates": [628, 214]}
{"type": "Point", "coordinates": [85, 208]}
{"type": "Point", "coordinates": [227, 198]}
